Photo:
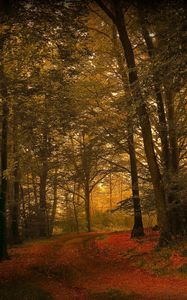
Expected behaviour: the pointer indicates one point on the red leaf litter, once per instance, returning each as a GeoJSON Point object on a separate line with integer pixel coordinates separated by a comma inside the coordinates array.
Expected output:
{"type": "Point", "coordinates": [74, 267]}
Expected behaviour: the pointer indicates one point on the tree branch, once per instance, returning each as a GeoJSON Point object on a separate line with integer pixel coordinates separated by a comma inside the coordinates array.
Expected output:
{"type": "Point", "coordinates": [106, 10]}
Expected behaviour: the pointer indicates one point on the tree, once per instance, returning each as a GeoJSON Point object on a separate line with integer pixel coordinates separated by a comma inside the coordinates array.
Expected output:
{"type": "Point", "coordinates": [4, 11]}
{"type": "Point", "coordinates": [117, 17]}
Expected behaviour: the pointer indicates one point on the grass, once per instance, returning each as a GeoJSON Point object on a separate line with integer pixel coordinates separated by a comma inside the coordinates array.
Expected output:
{"type": "Point", "coordinates": [113, 294]}
{"type": "Point", "coordinates": [22, 290]}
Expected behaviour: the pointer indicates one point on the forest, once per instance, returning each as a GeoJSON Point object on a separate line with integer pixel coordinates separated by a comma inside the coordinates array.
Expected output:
{"type": "Point", "coordinates": [93, 148]}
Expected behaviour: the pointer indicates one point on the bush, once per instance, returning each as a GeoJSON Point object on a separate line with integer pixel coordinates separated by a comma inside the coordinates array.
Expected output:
{"type": "Point", "coordinates": [111, 221]}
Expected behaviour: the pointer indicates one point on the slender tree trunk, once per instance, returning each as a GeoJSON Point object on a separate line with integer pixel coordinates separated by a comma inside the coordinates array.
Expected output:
{"type": "Point", "coordinates": [28, 210]}
{"type": "Point", "coordinates": [15, 210]}
{"type": "Point", "coordinates": [169, 147]}
{"type": "Point", "coordinates": [44, 222]}
{"type": "Point", "coordinates": [75, 211]}
{"type": "Point", "coordinates": [87, 206]}
{"type": "Point", "coordinates": [54, 207]}
{"type": "Point", "coordinates": [138, 224]}
{"type": "Point", "coordinates": [110, 190]}
{"type": "Point", "coordinates": [35, 192]}
{"type": "Point", "coordinates": [24, 214]}
{"type": "Point", "coordinates": [3, 192]}
{"type": "Point", "coordinates": [16, 192]}
{"type": "Point", "coordinates": [172, 131]}
{"type": "Point", "coordinates": [43, 227]}
{"type": "Point", "coordinates": [163, 131]}
{"type": "Point", "coordinates": [76, 217]}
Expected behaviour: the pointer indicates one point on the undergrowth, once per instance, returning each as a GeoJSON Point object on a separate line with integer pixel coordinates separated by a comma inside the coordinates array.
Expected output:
{"type": "Point", "coordinates": [183, 269]}
{"type": "Point", "coordinates": [21, 290]}
{"type": "Point", "coordinates": [113, 294]}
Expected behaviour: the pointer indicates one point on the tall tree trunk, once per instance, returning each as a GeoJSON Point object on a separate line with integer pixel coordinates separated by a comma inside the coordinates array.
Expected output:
{"type": "Point", "coordinates": [15, 210]}
{"type": "Point", "coordinates": [76, 217]}
{"type": "Point", "coordinates": [44, 222]}
{"type": "Point", "coordinates": [118, 19]}
{"type": "Point", "coordinates": [169, 147]}
{"type": "Point", "coordinates": [138, 224]}
{"type": "Point", "coordinates": [178, 217]}
{"type": "Point", "coordinates": [163, 131]}
{"type": "Point", "coordinates": [35, 192]}
{"type": "Point", "coordinates": [110, 190]}
{"type": "Point", "coordinates": [172, 131]}
{"type": "Point", "coordinates": [3, 192]}
{"type": "Point", "coordinates": [75, 210]}
{"type": "Point", "coordinates": [43, 226]}
{"type": "Point", "coordinates": [16, 192]}
{"type": "Point", "coordinates": [54, 205]}
{"type": "Point", "coordinates": [87, 206]}
{"type": "Point", "coordinates": [25, 228]}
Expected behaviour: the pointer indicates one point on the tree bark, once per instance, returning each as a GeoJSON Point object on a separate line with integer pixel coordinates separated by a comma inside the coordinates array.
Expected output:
{"type": "Point", "coordinates": [138, 224]}
{"type": "Point", "coordinates": [15, 210]}
{"type": "Point", "coordinates": [16, 184]}
{"type": "Point", "coordinates": [87, 206]}
{"type": "Point", "coordinates": [163, 131]}
{"type": "Point", "coordinates": [3, 192]}
{"type": "Point", "coordinates": [118, 19]}
{"type": "Point", "coordinates": [54, 205]}
{"type": "Point", "coordinates": [169, 147]}
{"type": "Point", "coordinates": [43, 226]}
{"type": "Point", "coordinates": [75, 210]}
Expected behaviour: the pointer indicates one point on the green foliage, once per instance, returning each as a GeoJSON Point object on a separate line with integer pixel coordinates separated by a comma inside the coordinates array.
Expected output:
{"type": "Point", "coordinates": [21, 290]}
{"type": "Point", "coordinates": [111, 221]}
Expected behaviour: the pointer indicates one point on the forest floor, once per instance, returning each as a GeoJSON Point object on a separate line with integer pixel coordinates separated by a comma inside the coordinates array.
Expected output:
{"type": "Point", "coordinates": [95, 266]}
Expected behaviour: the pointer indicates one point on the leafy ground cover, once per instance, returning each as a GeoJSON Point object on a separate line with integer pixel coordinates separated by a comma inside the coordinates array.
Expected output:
{"type": "Point", "coordinates": [95, 266]}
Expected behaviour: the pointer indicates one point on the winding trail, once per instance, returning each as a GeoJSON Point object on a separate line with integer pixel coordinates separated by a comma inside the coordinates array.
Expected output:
{"type": "Point", "coordinates": [74, 267]}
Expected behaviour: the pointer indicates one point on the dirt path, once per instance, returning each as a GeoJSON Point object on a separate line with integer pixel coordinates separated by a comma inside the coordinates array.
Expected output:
{"type": "Point", "coordinates": [92, 266]}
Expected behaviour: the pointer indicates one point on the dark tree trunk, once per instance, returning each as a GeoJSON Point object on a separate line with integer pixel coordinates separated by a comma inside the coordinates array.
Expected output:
{"type": "Point", "coordinates": [35, 192]}
{"type": "Point", "coordinates": [87, 207]}
{"type": "Point", "coordinates": [15, 235]}
{"type": "Point", "coordinates": [138, 224]}
{"type": "Point", "coordinates": [177, 214]}
{"type": "Point", "coordinates": [25, 227]}
{"type": "Point", "coordinates": [172, 132]}
{"type": "Point", "coordinates": [43, 224]}
{"type": "Point", "coordinates": [75, 214]}
{"type": "Point", "coordinates": [3, 192]}
{"type": "Point", "coordinates": [169, 147]}
{"type": "Point", "coordinates": [163, 131]}
{"type": "Point", "coordinates": [75, 208]}
{"type": "Point", "coordinates": [54, 206]}
{"type": "Point", "coordinates": [118, 19]}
